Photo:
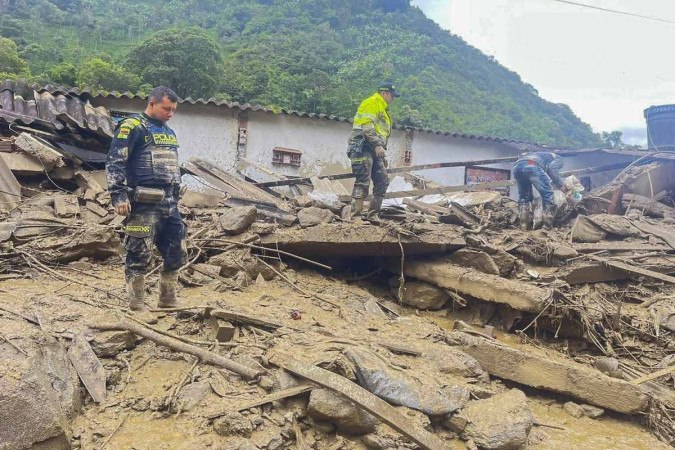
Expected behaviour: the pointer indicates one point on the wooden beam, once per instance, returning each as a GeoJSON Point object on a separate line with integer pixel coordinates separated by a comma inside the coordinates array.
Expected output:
{"type": "Point", "coordinates": [654, 375]}
{"type": "Point", "coordinates": [445, 189]}
{"type": "Point", "coordinates": [344, 176]}
{"type": "Point", "coordinates": [360, 397]}
{"type": "Point", "coordinates": [242, 318]}
{"type": "Point", "coordinates": [635, 270]}
{"type": "Point", "coordinates": [273, 397]}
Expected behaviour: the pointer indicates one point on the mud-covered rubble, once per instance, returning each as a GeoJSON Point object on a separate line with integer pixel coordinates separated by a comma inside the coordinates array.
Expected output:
{"type": "Point", "coordinates": [471, 332]}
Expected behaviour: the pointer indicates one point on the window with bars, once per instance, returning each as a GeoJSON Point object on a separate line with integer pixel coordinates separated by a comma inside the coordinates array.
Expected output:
{"type": "Point", "coordinates": [286, 156]}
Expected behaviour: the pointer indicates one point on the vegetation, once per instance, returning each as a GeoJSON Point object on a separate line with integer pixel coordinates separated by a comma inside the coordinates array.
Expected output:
{"type": "Point", "coordinates": [320, 56]}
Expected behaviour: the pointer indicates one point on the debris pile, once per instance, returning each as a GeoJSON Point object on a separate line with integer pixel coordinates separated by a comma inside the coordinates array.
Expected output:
{"type": "Point", "coordinates": [299, 326]}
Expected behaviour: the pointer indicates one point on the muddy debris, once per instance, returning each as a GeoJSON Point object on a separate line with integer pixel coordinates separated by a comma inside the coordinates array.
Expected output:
{"type": "Point", "coordinates": [466, 346]}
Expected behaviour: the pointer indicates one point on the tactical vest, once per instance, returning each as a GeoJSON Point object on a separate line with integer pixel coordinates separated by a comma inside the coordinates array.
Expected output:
{"type": "Point", "coordinates": [155, 163]}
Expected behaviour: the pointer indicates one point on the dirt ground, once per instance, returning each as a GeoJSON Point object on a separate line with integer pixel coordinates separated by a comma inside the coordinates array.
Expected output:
{"type": "Point", "coordinates": [134, 414]}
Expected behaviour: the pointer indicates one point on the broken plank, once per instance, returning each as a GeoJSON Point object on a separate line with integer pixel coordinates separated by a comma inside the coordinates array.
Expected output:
{"type": "Point", "coordinates": [244, 187]}
{"type": "Point", "coordinates": [445, 189]}
{"type": "Point", "coordinates": [660, 232]}
{"type": "Point", "coordinates": [654, 375]}
{"type": "Point", "coordinates": [552, 373]}
{"type": "Point", "coordinates": [492, 288]}
{"type": "Point", "coordinates": [619, 247]}
{"type": "Point", "coordinates": [344, 176]}
{"type": "Point", "coordinates": [360, 397]}
{"type": "Point", "coordinates": [425, 208]}
{"type": "Point", "coordinates": [88, 367]}
{"type": "Point", "coordinates": [635, 270]}
{"type": "Point", "coordinates": [244, 318]}
{"type": "Point", "coordinates": [273, 397]}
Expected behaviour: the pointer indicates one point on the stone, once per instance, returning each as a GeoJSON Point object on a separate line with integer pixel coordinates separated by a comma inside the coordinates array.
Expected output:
{"type": "Point", "coordinates": [233, 424]}
{"type": "Point", "coordinates": [573, 409]}
{"type": "Point", "coordinates": [283, 380]}
{"type": "Point", "coordinates": [479, 260]}
{"type": "Point", "coordinates": [423, 295]}
{"type": "Point", "coordinates": [327, 406]}
{"type": "Point", "coordinates": [563, 252]}
{"type": "Point", "coordinates": [576, 410]}
{"type": "Point", "coordinates": [39, 394]}
{"type": "Point", "coordinates": [210, 270]}
{"type": "Point", "coordinates": [302, 201]}
{"type": "Point", "coordinates": [192, 396]}
{"type": "Point", "coordinates": [453, 361]}
{"type": "Point", "coordinates": [234, 261]}
{"type": "Point", "coordinates": [263, 228]}
{"type": "Point", "coordinates": [238, 219]}
{"type": "Point", "coordinates": [456, 423]}
{"type": "Point", "coordinates": [377, 442]}
{"type": "Point", "coordinates": [312, 216]}
{"type": "Point", "coordinates": [108, 344]}
{"type": "Point", "coordinates": [501, 422]}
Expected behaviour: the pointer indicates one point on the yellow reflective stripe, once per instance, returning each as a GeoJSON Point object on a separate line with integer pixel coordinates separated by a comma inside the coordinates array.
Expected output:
{"type": "Point", "coordinates": [362, 115]}
{"type": "Point", "coordinates": [359, 160]}
{"type": "Point", "coordinates": [137, 229]}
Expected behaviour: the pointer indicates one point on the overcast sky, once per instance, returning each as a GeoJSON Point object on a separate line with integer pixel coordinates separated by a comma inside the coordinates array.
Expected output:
{"type": "Point", "coordinates": [607, 67]}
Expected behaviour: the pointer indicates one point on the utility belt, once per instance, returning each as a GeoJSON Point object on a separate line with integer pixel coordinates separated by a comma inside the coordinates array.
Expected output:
{"type": "Point", "coordinates": [528, 162]}
{"type": "Point", "coordinates": [155, 194]}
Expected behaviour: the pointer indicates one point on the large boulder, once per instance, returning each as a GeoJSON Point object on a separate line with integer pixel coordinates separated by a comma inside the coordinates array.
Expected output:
{"type": "Point", "coordinates": [423, 295]}
{"type": "Point", "coordinates": [238, 219]}
{"type": "Point", "coordinates": [326, 406]}
{"type": "Point", "coordinates": [39, 393]}
{"type": "Point", "coordinates": [501, 422]}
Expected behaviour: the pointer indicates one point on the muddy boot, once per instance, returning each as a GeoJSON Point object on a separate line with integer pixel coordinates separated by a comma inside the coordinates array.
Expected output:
{"type": "Point", "coordinates": [525, 215]}
{"type": "Point", "coordinates": [136, 292]}
{"type": "Point", "coordinates": [357, 208]}
{"type": "Point", "coordinates": [549, 216]}
{"type": "Point", "coordinates": [167, 290]}
{"type": "Point", "coordinates": [374, 210]}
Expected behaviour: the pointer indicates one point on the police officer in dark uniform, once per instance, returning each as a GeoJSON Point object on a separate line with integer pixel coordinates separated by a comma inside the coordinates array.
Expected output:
{"type": "Point", "coordinates": [144, 181]}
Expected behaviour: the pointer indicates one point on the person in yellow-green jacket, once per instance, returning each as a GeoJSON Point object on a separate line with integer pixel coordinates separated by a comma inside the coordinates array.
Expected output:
{"type": "Point", "coordinates": [367, 146]}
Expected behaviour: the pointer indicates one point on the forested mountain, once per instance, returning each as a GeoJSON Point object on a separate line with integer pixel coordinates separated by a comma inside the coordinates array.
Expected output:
{"type": "Point", "coordinates": [318, 56]}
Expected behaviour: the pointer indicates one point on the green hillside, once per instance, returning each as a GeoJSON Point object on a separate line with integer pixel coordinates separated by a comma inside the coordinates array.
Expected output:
{"type": "Point", "coordinates": [318, 56]}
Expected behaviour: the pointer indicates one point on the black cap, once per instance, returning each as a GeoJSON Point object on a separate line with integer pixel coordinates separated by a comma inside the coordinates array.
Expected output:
{"type": "Point", "coordinates": [389, 87]}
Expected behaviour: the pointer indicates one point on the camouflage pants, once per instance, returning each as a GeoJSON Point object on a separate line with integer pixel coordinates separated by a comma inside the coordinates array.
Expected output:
{"type": "Point", "coordinates": [365, 167]}
{"type": "Point", "coordinates": [149, 225]}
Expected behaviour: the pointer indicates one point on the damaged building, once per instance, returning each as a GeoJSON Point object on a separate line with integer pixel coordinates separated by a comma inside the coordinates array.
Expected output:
{"type": "Point", "coordinates": [443, 326]}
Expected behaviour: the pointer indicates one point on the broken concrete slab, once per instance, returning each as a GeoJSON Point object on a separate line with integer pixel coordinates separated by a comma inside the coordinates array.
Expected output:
{"type": "Point", "coordinates": [237, 220]}
{"type": "Point", "coordinates": [87, 182]}
{"type": "Point", "coordinates": [39, 395]}
{"type": "Point", "coordinates": [584, 230]}
{"type": "Point", "coordinates": [327, 406]}
{"type": "Point", "coordinates": [501, 422]}
{"type": "Point", "coordinates": [22, 164]}
{"type": "Point", "coordinates": [362, 240]}
{"type": "Point", "coordinates": [312, 216]}
{"type": "Point", "coordinates": [479, 260]}
{"type": "Point", "coordinates": [552, 373]}
{"type": "Point", "coordinates": [483, 286]}
{"type": "Point", "coordinates": [43, 151]}
{"type": "Point", "coordinates": [194, 199]}
{"type": "Point", "coordinates": [94, 242]}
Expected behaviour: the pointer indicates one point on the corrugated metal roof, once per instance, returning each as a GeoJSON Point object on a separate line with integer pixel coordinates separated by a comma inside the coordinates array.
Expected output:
{"type": "Point", "coordinates": [290, 112]}
{"type": "Point", "coordinates": [31, 104]}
